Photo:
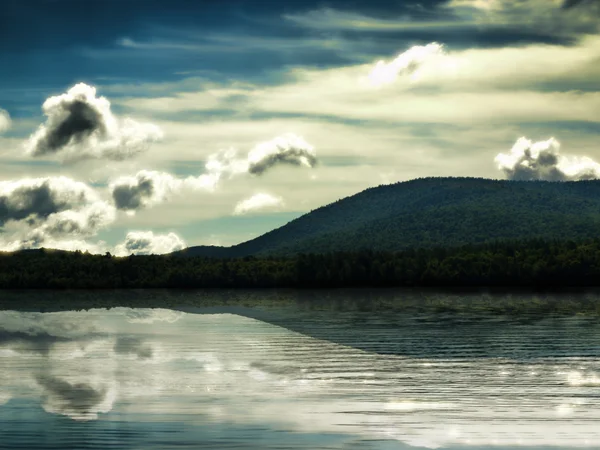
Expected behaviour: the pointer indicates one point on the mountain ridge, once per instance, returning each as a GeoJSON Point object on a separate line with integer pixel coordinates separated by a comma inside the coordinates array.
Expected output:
{"type": "Point", "coordinates": [430, 212]}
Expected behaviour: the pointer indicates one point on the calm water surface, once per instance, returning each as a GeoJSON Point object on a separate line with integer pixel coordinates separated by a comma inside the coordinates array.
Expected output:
{"type": "Point", "coordinates": [297, 376]}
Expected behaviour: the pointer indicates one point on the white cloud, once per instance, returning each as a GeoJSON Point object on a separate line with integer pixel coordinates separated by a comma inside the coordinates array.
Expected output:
{"type": "Point", "coordinates": [148, 243]}
{"type": "Point", "coordinates": [257, 202]}
{"type": "Point", "coordinates": [81, 126]}
{"type": "Point", "coordinates": [542, 160]}
{"type": "Point", "coordinates": [408, 62]}
{"type": "Point", "coordinates": [5, 121]}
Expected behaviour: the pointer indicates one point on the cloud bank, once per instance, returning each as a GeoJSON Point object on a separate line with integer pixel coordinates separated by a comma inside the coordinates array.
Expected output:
{"type": "Point", "coordinates": [148, 188]}
{"type": "Point", "coordinates": [258, 202]}
{"type": "Point", "coordinates": [37, 212]}
{"type": "Point", "coordinates": [80, 126]}
{"type": "Point", "coordinates": [60, 213]}
{"type": "Point", "coordinates": [41, 197]}
{"type": "Point", "coordinates": [5, 121]}
{"type": "Point", "coordinates": [148, 243]}
{"type": "Point", "coordinates": [59, 205]}
{"type": "Point", "coordinates": [542, 160]}
{"type": "Point", "coordinates": [407, 63]}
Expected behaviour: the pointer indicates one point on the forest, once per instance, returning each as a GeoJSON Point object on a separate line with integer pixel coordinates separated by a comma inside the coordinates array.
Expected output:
{"type": "Point", "coordinates": [432, 212]}
{"type": "Point", "coordinates": [537, 263]}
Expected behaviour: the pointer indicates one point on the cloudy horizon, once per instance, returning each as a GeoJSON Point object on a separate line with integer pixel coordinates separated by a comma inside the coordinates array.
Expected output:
{"type": "Point", "coordinates": [200, 123]}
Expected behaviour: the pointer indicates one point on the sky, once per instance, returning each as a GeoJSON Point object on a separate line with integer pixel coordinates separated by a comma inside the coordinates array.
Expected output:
{"type": "Point", "coordinates": [145, 127]}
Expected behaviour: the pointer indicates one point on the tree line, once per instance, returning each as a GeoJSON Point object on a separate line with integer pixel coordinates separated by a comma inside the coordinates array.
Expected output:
{"type": "Point", "coordinates": [533, 263]}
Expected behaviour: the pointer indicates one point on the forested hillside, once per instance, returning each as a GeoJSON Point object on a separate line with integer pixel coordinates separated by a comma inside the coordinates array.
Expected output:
{"type": "Point", "coordinates": [432, 212]}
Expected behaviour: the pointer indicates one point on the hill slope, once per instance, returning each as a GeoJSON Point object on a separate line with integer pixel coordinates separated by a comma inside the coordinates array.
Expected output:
{"type": "Point", "coordinates": [432, 212]}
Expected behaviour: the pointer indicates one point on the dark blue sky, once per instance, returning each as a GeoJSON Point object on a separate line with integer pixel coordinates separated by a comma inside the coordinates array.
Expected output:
{"type": "Point", "coordinates": [51, 44]}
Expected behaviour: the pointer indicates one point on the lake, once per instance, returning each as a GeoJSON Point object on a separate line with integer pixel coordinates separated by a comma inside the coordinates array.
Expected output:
{"type": "Point", "coordinates": [288, 370]}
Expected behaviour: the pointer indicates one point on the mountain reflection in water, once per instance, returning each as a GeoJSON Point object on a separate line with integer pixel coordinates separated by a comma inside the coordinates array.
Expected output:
{"type": "Point", "coordinates": [158, 378]}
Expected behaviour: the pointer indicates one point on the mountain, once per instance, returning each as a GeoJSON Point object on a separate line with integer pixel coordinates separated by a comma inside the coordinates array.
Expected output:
{"type": "Point", "coordinates": [432, 212]}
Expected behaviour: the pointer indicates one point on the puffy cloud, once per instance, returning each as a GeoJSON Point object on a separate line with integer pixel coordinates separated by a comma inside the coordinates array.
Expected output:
{"type": "Point", "coordinates": [143, 189]}
{"type": "Point", "coordinates": [226, 162]}
{"type": "Point", "coordinates": [407, 63]}
{"type": "Point", "coordinates": [80, 125]}
{"type": "Point", "coordinates": [86, 221]}
{"type": "Point", "coordinates": [4, 121]}
{"type": "Point", "coordinates": [40, 197]}
{"type": "Point", "coordinates": [55, 199]}
{"type": "Point", "coordinates": [287, 149]}
{"type": "Point", "coordinates": [43, 212]}
{"type": "Point", "coordinates": [147, 188]}
{"type": "Point", "coordinates": [542, 160]}
{"type": "Point", "coordinates": [148, 243]}
{"type": "Point", "coordinates": [257, 202]}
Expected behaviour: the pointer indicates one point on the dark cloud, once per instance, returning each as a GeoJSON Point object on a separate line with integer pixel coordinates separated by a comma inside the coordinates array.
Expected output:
{"type": "Point", "coordinates": [38, 199]}
{"type": "Point", "coordinates": [138, 243]}
{"type": "Point", "coordinates": [80, 125]}
{"type": "Point", "coordinates": [133, 196]}
{"type": "Point", "coordinates": [287, 149]}
{"type": "Point", "coordinates": [80, 121]}
{"type": "Point", "coordinates": [293, 157]}
{"type": "Point", "coordinates": [129, 345]}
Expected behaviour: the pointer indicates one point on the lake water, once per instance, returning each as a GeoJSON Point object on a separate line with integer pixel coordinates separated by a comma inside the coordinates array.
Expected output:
{"type": "Point", "coordinates": [300, 374]}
